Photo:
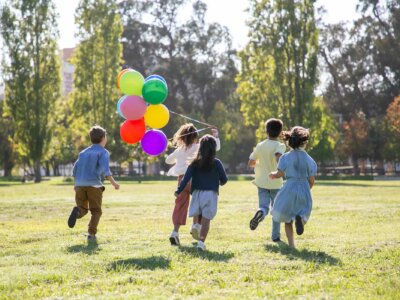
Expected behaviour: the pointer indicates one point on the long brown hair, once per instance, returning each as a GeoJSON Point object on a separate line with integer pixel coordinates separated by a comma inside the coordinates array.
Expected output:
{"type": "Point", "coordinates": [296, 137]}
{"type": "Point", "coordinates": [206, 154]}
{"type": "Point", "coordinates": [185, 136]}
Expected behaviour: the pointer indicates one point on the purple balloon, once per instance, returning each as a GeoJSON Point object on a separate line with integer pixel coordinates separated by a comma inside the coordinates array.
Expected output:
{"type": "Point", "coordinates": [154, 142]}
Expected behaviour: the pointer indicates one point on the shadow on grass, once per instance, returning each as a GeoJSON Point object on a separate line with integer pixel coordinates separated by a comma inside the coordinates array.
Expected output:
{"type": "Point", "coordinates": [209, 255]}
{"type": "Point", "coordinates": [148, 263]}
{"type": "Point", "coordinates": [351, 184]}
{"type": "Point", "coordinates": [307, 255]}
{"type": "Point", "coordinates": [88, 249]}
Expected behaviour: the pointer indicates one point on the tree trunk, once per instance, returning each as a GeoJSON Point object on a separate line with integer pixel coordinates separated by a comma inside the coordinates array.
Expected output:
{"type": "Point", "coordinates": [130, 168]}
{"type": "Point", "coordinates": [36, 167]}
{"type": "Point", "coordinates": [356, 168]}
{"type": "Point", "coordinates": [47, 168]}
{"type": "Point", "coordinates": [8, 164]}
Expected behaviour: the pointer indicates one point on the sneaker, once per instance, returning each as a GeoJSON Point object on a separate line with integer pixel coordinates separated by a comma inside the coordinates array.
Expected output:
{"type": "Point", "coordinates": [73, 216]}
{"type": "Point", "coordinates": [299, 225]}
{"type": "Point", "coordinates": [278, 240]}
{"type": "Point", "coordinates": [174, 239]}
{"type": "Point", "coordinates": [195, 231]}
{"type": "Point", "coordinates": [256, 219]}
{"type": "Point", "coordinates": [201, 246]}
{"type": "Point", "coordinates": [91, 238]}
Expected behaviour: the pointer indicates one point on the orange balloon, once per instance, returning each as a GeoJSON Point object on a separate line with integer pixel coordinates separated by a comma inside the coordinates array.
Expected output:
{"type": "Point", "coordinates": [120, 75]}
{"type": "Point", "coordinates": [132, 131]}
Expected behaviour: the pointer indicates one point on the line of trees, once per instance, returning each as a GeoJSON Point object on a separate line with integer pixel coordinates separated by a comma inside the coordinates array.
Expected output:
{"type": "Point", "coordinates": [275, 75]}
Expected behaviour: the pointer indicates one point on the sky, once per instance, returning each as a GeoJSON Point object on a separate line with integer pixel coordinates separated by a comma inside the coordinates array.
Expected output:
{"type": "Point", "coordinates": [221, 11]}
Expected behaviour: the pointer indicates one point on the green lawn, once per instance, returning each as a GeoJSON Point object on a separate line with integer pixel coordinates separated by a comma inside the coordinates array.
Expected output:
{"type": "Point", "coordinates": [350, 248]}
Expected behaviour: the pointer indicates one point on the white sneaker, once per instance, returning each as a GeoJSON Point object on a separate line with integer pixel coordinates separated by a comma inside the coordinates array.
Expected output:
{"type": "Point", "coordinates": [201, 246]}
{"type": "Point", "coordinates": [174, 238]}
{"type": "Point", "coordinates": [195, 231]}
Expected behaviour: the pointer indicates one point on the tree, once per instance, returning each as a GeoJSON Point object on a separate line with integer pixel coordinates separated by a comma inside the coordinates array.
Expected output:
{"type": "Point", "coordinates": [381, 20]}
{"type": "Point", "coordinates": [7, 156]}
{"type": "Point", "coordinates": [197, 60]}
{"type": "Point", "coordinates": [279, 65]}
{"type": "Point", "coordinates": [364, 78]}
{"type": "Point", "coordinates": [392, 147]}
{"type": "Point", "coordinates": [393, 116]}
{"type": "Point", "coordinates": [97, 61]}
{"type": "Point", "coordinates": [31, 73]}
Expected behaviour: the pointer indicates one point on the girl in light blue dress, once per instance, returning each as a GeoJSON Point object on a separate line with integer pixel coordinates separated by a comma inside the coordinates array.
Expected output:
{"type": "Point", "coordinates": [294, 201]}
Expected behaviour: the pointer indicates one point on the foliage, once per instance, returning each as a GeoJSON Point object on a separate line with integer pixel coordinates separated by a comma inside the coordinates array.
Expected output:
{"type": "Point", "coordinates": [97, 63]}
{"type": "Point", "coordinates": [279, 70]}
{"type": "Point", "coordinates": [31, 72]}
{"type": "Point", "coordinates": [195, 57]}
{"type": "Point", "coordinates": [7, 155]}
{"type": "Point", "coordinates": [392, 149]}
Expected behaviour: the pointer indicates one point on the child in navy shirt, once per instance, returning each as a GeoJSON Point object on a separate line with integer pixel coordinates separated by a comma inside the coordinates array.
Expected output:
{"type": "Point", "coordinates": [207, 174]}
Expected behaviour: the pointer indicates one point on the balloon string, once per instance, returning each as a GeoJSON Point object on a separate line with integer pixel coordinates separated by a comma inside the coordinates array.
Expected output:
{"type": "Point", "coordinates": [198, 130]}
{"type": "Point", "coordinates": [191, 119]}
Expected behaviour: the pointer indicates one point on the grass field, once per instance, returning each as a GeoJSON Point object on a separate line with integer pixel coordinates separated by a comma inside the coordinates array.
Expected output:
{"type": "Point", "coordinates": [350, 248]}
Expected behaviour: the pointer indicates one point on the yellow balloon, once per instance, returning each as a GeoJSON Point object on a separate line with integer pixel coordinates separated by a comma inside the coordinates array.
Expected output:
{"type": "Point", "coordinates": [157, 116]}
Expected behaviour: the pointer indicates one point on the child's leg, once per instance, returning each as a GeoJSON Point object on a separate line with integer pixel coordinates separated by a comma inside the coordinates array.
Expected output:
{"type": "Point", "coordinates": [205, 227]}
{"type": "Point", "coordinates": [276, 226]}
{"type": "Point", "coordinates": [289, 234]}
{"type": "Point", "coordinates": [95, 196]}
{"type": "Point", "coordinates": [263, 208]}
{"type": "Point", "coordinates": [81, 200]}
{"type": "Point", "coordinates": [179, 214]}
{"type": "Point", "coordinates": [81, 208]}
{"type": "Point", "coordinates": [209, 207]}
{"type": "Point", "coordinates": [197, 220]}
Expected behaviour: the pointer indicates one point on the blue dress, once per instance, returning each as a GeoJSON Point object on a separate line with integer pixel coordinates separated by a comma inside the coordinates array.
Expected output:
{"type": "Point", "coordinates": [294, 198]}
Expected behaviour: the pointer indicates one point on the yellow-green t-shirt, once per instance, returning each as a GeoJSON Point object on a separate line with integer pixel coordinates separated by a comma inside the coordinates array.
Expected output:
{"type": "Point", "coordinates": [264, 155]}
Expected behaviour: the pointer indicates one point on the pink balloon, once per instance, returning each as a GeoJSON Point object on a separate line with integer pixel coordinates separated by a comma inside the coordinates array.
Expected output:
{"type": "Point", "coordinates": [133, 107]}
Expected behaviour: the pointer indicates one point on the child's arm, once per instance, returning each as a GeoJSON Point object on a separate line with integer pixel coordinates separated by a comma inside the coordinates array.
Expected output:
{"type": "Point", "coordinates": [252, 163]}
{"type": "Point", "coordinates": [104, 162]}
{"type": "Point", "coordinates": [215, 134]}
{"type": "Point", "coordinates": [185, 180]}
{"type": "Point", "coordinates": [171, 159]}
{"type": "Point", "coordinates": [113, 182]}
{"type": "Point", "coordinates": [253, 158]}
{"type": "Point", "coordinates": [278, 156]}
{"type": "Point", "coordinates": [311, 181]}
{"type": "Point", "coordinates": [222, 174]}
{"type": "Point", "coordinates": [276, 174]}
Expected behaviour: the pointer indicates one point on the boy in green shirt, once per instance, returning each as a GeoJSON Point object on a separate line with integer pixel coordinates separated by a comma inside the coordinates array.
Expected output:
{"type": "Point", "coordinates": [264, 160]}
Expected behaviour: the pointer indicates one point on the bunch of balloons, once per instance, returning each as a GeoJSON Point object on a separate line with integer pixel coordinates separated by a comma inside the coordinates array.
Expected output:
{"type": "Point", "coordinates": [142, 106]}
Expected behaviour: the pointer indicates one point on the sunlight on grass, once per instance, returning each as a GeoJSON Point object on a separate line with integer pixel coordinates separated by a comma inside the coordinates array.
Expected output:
{"type": "Point", "coordinates": [350, 248]}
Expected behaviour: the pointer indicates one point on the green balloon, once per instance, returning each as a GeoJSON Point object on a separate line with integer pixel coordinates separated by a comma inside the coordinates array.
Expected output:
{"type": "Point", "coordinates": [155, 91]}
{"type": "Point", "coordinates": [131, 83]}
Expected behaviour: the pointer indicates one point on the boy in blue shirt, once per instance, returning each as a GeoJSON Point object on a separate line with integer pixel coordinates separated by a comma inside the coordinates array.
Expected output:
{"type": "Point", "coordinates": [92, 163]}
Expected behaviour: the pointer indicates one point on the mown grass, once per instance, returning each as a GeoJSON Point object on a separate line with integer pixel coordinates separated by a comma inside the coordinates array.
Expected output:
{"type": "Point", "coordinates": [350, 249]}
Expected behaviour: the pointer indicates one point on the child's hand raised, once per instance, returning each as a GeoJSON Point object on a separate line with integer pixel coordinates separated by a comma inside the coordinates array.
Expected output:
{"type": "Point", "coordinates": [214, 132]}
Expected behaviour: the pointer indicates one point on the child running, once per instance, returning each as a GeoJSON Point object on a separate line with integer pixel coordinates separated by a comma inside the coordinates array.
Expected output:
{"type": "Point", "coordinates": [264, 160]}
{"type": "Point", "coordinates": [186, 141]}
{"type": "Point", "coordinates": [207, 174]}
{"type": "Point", "coordinates": [92, 163]}
{"type": "Point", "coordinates": [294, 201]}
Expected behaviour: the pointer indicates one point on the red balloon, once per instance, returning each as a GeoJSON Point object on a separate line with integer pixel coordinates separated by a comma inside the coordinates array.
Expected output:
{"type": "Point", "coordinates": [132, 131]}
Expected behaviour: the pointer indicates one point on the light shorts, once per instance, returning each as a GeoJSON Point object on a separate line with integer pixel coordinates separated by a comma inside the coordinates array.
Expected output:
{"type": "Point", "coordinates": [204, 203]}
